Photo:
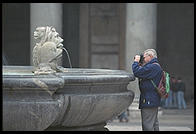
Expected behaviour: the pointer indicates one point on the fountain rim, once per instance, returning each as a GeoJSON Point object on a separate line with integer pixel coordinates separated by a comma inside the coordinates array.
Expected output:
{"type": "Point", "coordinates": [28, 71]}
{"type": "Point", "coordinates": [76, 77]}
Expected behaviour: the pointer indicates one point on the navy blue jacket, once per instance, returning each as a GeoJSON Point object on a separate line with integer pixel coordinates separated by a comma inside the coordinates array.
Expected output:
{"type": "Point", "coordinates": [149, 96]}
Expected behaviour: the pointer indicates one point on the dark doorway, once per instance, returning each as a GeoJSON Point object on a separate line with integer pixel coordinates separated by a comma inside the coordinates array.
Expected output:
{"type": "Point", "coordinates": [16, 33]}
{"type": "Point", "coordinates": [175, 41]}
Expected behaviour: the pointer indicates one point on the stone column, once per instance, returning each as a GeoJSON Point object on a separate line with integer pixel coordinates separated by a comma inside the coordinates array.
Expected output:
{"type": "Point", "coordinates": [45, 14]}
{"type": "Point", "coordinates": [140, 34]}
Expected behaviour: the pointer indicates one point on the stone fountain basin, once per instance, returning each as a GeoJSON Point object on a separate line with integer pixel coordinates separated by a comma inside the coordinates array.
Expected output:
{"type": "Point", "coordinates": [71, 99]}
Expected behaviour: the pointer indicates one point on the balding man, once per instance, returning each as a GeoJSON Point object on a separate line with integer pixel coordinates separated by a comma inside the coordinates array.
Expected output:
{"type": "Point", "coordinates": [149, 98]}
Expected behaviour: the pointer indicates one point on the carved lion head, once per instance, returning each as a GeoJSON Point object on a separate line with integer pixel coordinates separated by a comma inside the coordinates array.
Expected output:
{"type": "Point", "coordinates": [45, 34]}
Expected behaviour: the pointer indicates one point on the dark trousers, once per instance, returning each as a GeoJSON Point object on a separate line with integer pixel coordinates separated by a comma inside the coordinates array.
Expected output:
{"type": "Point", "coordinates": [150, 119]}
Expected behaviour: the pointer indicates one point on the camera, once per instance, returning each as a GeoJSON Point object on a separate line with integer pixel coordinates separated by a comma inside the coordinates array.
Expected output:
{"type": "Point", "coordinates": [141, 61]}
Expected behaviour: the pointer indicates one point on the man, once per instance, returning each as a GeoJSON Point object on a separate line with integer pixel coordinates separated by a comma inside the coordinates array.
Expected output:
{"type": "Point", "coordinates": [149, 98]}
{"type": "Point", "coordinates": [180, 94]}
{"type": "Point", "coordinates": [175, 92]}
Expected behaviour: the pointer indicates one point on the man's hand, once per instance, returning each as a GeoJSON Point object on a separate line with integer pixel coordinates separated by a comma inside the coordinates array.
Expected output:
{"type": "Point", "coordinates": [137, 58]}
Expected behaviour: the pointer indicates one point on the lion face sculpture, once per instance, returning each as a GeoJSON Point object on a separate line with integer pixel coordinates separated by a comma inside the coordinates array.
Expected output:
{"type": "Point", "coordinates": [47, 51]}
{"type": "Point", "coordinates": [39, 32]}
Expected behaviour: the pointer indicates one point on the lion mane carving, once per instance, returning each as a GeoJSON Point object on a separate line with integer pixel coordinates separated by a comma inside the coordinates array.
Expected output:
{"type": "Point", "coordinates": [47, 51]}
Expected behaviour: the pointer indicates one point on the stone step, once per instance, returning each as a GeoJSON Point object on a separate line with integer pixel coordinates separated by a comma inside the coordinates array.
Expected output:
{"type": "Point", "coordinates": [137, 113]}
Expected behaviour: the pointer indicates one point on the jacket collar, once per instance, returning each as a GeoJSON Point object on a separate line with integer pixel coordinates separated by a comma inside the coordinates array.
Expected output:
{"type": "Point", "coordinates": [152, 61]}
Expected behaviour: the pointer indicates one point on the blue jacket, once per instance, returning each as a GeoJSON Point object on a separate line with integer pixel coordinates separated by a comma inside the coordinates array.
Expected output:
{"type": "Point", "coordinates": [149, 96]}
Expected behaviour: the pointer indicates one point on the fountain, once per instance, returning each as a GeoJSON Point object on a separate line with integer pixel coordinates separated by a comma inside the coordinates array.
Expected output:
{"type": "Point", "coordinates": [49, 97]}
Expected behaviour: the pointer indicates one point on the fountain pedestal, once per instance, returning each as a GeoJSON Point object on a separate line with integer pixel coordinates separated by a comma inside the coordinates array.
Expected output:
{"type": "Point", "coordinates": [78, 99]}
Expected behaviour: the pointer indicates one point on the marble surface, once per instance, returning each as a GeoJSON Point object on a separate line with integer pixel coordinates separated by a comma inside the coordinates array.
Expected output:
{"type": "Point", "coordinates": [76, 98]}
